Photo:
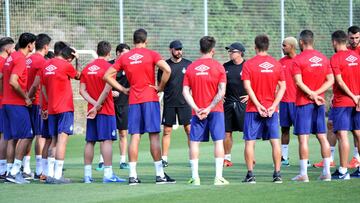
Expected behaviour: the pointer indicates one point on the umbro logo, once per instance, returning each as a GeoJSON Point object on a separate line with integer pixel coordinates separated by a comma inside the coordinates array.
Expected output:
{"type": "Point", "coordinates": [93, 69]}
{"type": "Point", "coordinates": [315, 61]}
{"type": "Point", "coordinates": [266, 67]}
{"type": "Point", "coordinates": [135, 58]}
{"type": "Point", "coordinates": [8, 60]}
{"type": "Point", "coordinates": [352, 60]}
{"type": "Point", "coordinates": [50, 70]}
{"type": "Point", "coordinates": [202, 69]}
{"type": "Point", "coordinates": [28, 62]}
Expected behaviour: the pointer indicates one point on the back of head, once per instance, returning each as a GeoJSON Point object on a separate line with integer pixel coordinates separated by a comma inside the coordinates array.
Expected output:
{"type": "Point", "coordinates": [41, 41]}
{"type": "Point", "coordinates": [25, 39]}
{"type": "Point", "coordinates": [307, 37]}
{"type": "Point", "coordinates": [353, 29]}
{"type": "Point", "coordinates": [207, 43]}
{"type": "Point", "coordinates": [140, 36]}
{"type": "Point", "coordinates": [120, 48]}
{"type": "Point", "coordinates": [339, 36]}
{"type": "Point", "coordinates": [262, 42]}
{"type": "Point", "coordinates": [103, 48]}
{"type": "Point", "coordinates": [60, 45]}
{"type": "Point", "coordinates": [49, 55]}
{"type": "Point", "coordinates": [67, 53]}
{"type": "Point", "coordinates": [4, 42]}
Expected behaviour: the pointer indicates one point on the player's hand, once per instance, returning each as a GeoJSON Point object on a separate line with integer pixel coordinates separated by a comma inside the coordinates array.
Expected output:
{"type": "Point", "coordinates": [91, 114]}
{"type": "Point", "coordinates": [356, 99]}
{"type": "Point", "coordinates": [126, 91]}
{"type": "Point", "coordinates": [115, 93]}
{"type": "Point", "coordinates": [28, 102]}
{"type": "Point", "coordinates": [200, 114]}
{"type": "Point", "coordinates": [271, 111]}
{"type": "Point", "coordinates": [244, 99]}
{"type": "Point", "coordinates": [44, 114]}
{"type": "Point", "coordinates": [358, 106]}
{"type": "Point", "coordinates": [157, 88]}
{"type": "Point", "coordinates": [319, 100]}
{"type": "Point", "coordinates": [262, 110]}
{"type": "Point", "coordinates": [204, 113]}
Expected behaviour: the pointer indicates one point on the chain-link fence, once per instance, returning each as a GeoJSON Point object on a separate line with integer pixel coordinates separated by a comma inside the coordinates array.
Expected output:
{"type": "Point", "coordinates": [83, 23]}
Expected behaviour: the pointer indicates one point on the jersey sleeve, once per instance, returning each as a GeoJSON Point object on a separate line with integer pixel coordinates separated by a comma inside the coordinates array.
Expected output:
{"type": "Point", "coordinates": [118, 64]}
{"type": "Point", "coordinates": [156, 57]}
{"type": "Point", "coordinates": [70, 70]}
{"type": "Point", "coordinates": [83, 76]}
{"type": "Point", "coordinates": [222, 77]}
{"type": "Point", "coordinates": [245, 72]}
{"type": "Point", "coordinates": [329, 70]}
{"type": "Point", "coordinates": [335, 66]}
{"type": "Point", "coordinates": [295, 67]}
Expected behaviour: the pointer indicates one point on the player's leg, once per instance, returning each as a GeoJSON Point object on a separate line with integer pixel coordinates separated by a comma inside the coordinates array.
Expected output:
{"type": "Point", "coordinates": [355, 161]}
{"type": "Point", "coordinates": [285, 123]}
{"type": "Point", "coordinates": [123, 148]}
{"type": "Point", "coordinates": [184, 117]}
{"type": "Point", "coordinates": [39, 146]}
{"type": "Point", "coordinates": [198, 132]}
{"type": "Point", "coordinates": [168, 120]}
{"type": "Point", "coordinates": [3, 147]}
{"type": "Point", "coordinates": [344, 148]}
{"type": "Point", "coordinates": [271, 133]}
{"type": "Point", "coordinates": [88, 159]}
{"type": "Point", "coordinates": [230, 120]}
{"type": "Point", "coordinates": [356, 134]}
{"type": "Point", "coordinates": [122, 126]}
{"type": "Point", "coordinates": [26, 162]}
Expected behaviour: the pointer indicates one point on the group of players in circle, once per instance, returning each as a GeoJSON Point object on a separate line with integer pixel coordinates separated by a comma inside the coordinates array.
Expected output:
{"type": "Point", "coordinates": [204, 96]}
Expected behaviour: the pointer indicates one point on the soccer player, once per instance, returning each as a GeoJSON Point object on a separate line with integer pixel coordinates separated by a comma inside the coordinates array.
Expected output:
{"type": "Point", "coordinates": [235, 97]}
{"type": "Point", "coordinates": [36, 63]}
{"type": "Point", "coordinates": [205, 78]}
{"type": "Point", "coordinates": [264, 81]}
{"type": "Point", "coordinates": [56, 80]}
{"type": "Point", "coordinates": [144, 107]}
{"type": "Point", "coordinates": [101, 122]}
{"type": "Point", "coordinates": [7, 47]}
{"type": "Point", "coordinates": [287, 105]}
{"type": "Point", "coordinates": [174, 101]}
{"type": "Point", "coordinates": [346, 89]}
{"type": "Point", "coordinates": [17, 125]}
{"type": "Point", "coordinates": [313, 76]}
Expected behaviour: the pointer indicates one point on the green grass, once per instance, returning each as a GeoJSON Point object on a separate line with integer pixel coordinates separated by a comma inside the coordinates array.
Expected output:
{"type": "Point", "coordinates": [262, 191]}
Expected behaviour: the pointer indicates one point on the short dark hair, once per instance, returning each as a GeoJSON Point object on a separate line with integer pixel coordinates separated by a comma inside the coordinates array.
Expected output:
{"type": "Point", "coordinates": [339, 36]}
{"type": "Point", "coordinates": [67, 53]}
{"type": "Point", "coordinates": [49, 55]}
{"type": "Point", "coordinates": [262, 42]}
{"type": "Point", "coordinates": [4, 42]}
{"type": "Point", "coordinates": [103, 48]}
{"type": "Point", "coordinates": [140, 36]}
{"type": "Point", "coordinates": [120, 48]}
{"type": "Point", "coordinates": [25, 39]}
{"type": "Point", "coordinates": [206, 44]}
{"type": "Point", "coordinates": [60, 45]}
{"type": "Point", "coordinates": [307, 36]}
{"type": "Point", "coordinates": [41, 41]}
{"type": "Point", "coordinates": [353, 29]}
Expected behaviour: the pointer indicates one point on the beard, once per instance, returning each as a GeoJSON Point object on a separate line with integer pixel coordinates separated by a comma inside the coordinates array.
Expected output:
{"type": "Point", "coordinates": [176, 56]}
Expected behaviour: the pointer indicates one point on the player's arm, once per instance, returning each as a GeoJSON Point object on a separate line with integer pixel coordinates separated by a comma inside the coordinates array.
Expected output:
{"type": "Point", "coordinates": [109, 77]}
{"type": "Point", "coordinates": [311, 94]}
{"type": "Point", "coordinates": [34, 87]}
{"type": "Point", "coordinates": [166, 71]}
{"type": "Point", "coordinates": [98, 104]}
{"type": "Point", "coordinates": [279, 95]}
{"type": "Point", "coordinates": [83, 92]}
{"type": "Point", "coordinates": [218, 97]}
{"type": "Point", "coordinates": [261, 109]}
{"type": "Point", "coordinates": [345, 88]}
{"type": "Point", "coordinates": [327, 84]}
{"type": "Point", "coordinates": [43, 89]}
{"type": "Point", "coordinates": [1, 82]}
{"type": "Point", "coordinates": [16, 86]}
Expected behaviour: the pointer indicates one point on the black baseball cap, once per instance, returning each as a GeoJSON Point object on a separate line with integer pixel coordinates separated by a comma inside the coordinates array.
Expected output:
{"type": "Point", "coordinates": [176, 44]}
{"type": "Point", "coordinates": [236, 46]}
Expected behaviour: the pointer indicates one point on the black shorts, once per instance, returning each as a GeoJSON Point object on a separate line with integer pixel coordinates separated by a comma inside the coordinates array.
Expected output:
{"type": "Point", "coordinates": [169, 115]}
{"type": "Point", "coordinates": [121, 113]}
{"type": "Point", "coordinates": [234, 116]}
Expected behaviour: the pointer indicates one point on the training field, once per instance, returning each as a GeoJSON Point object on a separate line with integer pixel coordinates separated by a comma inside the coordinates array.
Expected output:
{"type": "Point", "coordinates": [263, 190]}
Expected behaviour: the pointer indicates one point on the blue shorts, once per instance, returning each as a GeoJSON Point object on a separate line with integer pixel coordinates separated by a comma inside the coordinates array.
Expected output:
{"type": "Point", "coordinates": [287, 114]}
{"type": "Point", "coordinates": [257, 127]}
{"type": "Point", "coordinates": [356, 121]}
{"type": "Point", "coordinates": [310, 119]}
{"type": "Point", "coordinates": [45, 130]}
{"type": "Point", "coordinates": [214, 123]}
{"type": "Point", "coordinates": [344, 118]}
{"type": "Point", "coordinates": [1, 120]}
{"type": "Point", "coordinates": [61, 123]}
{"type": "Point", "coordinates": [17, 123]}
{"type": "Point", "coordinates": [35, 117]}
{"type": "Point", "coordinates": [330, 114]}
{"type": "Point", "coordinates": [144, 118]}
{"type": "Point", "coordinates": [102, 127]}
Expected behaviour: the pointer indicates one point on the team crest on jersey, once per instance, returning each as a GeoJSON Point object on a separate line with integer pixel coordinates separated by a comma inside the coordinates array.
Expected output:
{"type": "Point", "coordinates": [28, 62]}
{"type": "Point", "coordinates": [123, 72]}
{"type": "Point", "coordinates": [93, 70]}
{"type": "Point", "coordinates": [135, 58]}
{"type": "Point", "coordinates": [50, 70]}
{"type": "Point", "coordinates": [315, 61]}
{"type": "Point", "coordinates": [352, 60]}
{"type": "Point", "coordinates": [183, 70]}
{"type": "Point", "coordinates": [266, 67]}
{"type": "Point", "coordinates": [202, 70]}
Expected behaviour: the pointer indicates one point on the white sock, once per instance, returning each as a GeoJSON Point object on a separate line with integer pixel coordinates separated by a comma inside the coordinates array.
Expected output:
{"type": "Point", "coordinates": [45, 166]}
{"type": "Point", "coordinates": [2, 166]}
{"type": "Point", "coordinates": [59, 164]}
{"type": "Point", "coordinates": [342, 170]}
{"type": "Point", "coordinates": [132, 169]}
{"type": "Point", "coordinates": [122, 159]}
{"type": "Point", "coordinates": [108, 172]}
{"type": "Point", "coordinates": [101, 159]}
{"type": "Point", "coordinates": [51, 166]}
{"type": "Point", "coordinates": [356, 153]}
{"type": "Point", "coordinates": [39, 167]}
{"type": "Point", "coordinates": [219, 165]}
{"type": "Point", "coordinates": [165, 158]}
{"type": "Point", "coordinates": [87, 171]}
{"type": "Point", "coordinates": [326, 167]}
{"type": "Point", "coordinates": [16, 167]}
{"type": "Point", "coordinates": [285, 151]}
{"type": "Point", "coordinates": [26, 164]}
{"type": "Point", "coordinates": [194, 168]}
{"type": "Point", "coordinates": [227, 157]}
{"type": "Point", "coordinates": [303, 166]}
{"type": "Point", "coordinates": [332, 150]}
{"type": "Point", "coordinates": [8, 167]}
{"type": "Point", "coordinates": [159, 168]}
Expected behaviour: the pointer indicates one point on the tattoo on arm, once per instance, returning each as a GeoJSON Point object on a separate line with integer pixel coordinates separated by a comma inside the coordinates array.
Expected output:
{"type": "Point", "coordinates": [219, 96]}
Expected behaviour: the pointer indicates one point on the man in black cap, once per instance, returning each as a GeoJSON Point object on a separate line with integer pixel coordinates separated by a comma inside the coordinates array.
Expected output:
{"type": "Point", "coordinates": [235, 97]}
{"type": "Point", "coordinates": [174, 102]}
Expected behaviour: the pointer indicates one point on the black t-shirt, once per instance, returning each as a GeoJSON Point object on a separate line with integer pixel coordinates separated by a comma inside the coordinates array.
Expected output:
{"type": "Point", "coordinates": [173, 89]}
{"type": "Point", "coordinates": [122, 99]}
{"type": "Point", "coordinates": [234, 86]}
